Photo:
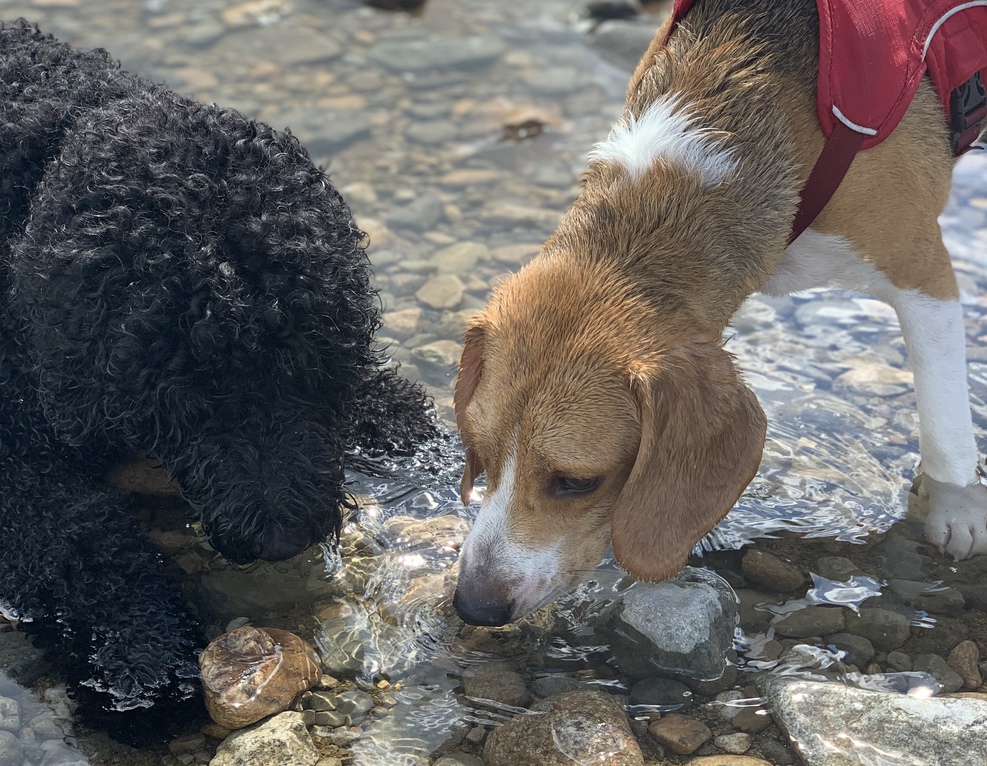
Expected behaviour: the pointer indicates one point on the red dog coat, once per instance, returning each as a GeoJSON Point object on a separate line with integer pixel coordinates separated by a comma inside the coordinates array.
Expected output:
{"type": "Point", "coordinates": [872, 57]}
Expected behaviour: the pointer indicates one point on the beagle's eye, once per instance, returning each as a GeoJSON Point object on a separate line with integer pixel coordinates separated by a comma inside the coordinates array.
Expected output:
{"type": "Point", "coordinates": [567, 486]}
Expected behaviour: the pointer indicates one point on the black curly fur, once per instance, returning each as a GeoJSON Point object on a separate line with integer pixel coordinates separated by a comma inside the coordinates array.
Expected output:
{"type": "Point", "coordinates": [179, 280]}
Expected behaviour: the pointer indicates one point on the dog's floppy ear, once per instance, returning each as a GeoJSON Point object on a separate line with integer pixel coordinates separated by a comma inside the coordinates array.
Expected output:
{"type": "Point", "coordinates": [470, 370]}
{"type": "Point", "coordinates": [702, 432]}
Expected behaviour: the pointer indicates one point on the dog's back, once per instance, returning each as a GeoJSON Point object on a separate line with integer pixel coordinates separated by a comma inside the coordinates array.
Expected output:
{"type": "Point", "coordinates": [43, 85]}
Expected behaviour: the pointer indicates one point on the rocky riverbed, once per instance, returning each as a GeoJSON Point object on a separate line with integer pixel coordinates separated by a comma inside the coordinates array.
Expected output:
{"type": "Point", "coordinates": [458, 134]}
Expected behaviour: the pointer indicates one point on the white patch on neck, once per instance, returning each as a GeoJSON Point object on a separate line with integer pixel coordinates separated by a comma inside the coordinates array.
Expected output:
{"type": "Point", "coordinates": [665, 131]}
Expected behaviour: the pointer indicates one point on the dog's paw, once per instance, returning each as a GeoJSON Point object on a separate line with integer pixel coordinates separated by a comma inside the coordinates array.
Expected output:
{"type": "Point", "coordinates": [957, 520]}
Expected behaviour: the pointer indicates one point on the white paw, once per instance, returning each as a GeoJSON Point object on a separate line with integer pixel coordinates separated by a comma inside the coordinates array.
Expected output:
{"type": "Point", "coordinates": [957, 520]}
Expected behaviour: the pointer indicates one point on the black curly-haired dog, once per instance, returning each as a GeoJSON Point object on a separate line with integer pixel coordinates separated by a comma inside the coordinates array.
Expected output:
{"type": "Point", "coordinates": [178, 280]}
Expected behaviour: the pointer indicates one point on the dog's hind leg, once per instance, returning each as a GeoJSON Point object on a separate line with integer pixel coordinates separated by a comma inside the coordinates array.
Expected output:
{"type": "Point", "coordinates": [936, 341]}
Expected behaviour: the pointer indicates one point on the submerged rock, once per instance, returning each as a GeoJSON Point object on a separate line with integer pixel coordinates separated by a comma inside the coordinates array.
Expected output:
{"type": "Point", "coordinates": [280, 741]}
{"type": "Point", "coordinates": [574, 727]}
{"type": "Point", "coordinates": [682, 626]}
{"type": "Point", "coordinates": [839, 725]}
{"type": "Point", "coordinates": [251, 673]}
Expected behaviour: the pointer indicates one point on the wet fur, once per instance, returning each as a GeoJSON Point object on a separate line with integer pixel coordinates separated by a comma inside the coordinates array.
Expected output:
{"type": "Point", "coordinates": [178, 280]}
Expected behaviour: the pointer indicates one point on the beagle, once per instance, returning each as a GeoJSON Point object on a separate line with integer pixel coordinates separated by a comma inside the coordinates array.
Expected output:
{"type": "Point", "coordinates": [594, 389]}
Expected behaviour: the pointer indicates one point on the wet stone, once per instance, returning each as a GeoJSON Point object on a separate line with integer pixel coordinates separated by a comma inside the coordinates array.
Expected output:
{"type": "Point", "coordinates": [811, 621]}
{"type": "Point", "coordinates": [276, 741]}
{"type": "Point", "coordinates": [769, 571]}
{"type": "Point", "coordinates": [680, 733]}
{"type": "Point", "coordinates": [575, 727]}
{"type": "Point", "coordinates": [320, 701]}
{"type": "Point", "coordinates": [436, 53]}
{"type": "Point", "coordinates": [495, 682]}
{"type": "Point", "coordinates": [965, 660]}
{"type": "Point", "coordinates": [663, 692]}
{"type": "Point", "coordinates": [859, 651]}
{"type": "Point", "coordinates": [10, 714]}
{"type": "Point", "coordinates": [460, 258]}
{"type": "Point", "coordinates": [11, 750]}
{"type": "Point", "coordinates": [442, 292]}
{"type": "Point", "coordinates": [682, 626]}
{"type": "Point", "coordinates": [421, 214]}
{"type": "Point", "coordinates": [441, 353]}
{"type": "Point", "coordinates": [354, 703]}
{"type": "Point", "coordinates": [547, 686]}
{"type": "Point", "coordinates": [922, 596]}
{"type": "Point", "coordinates": [836, 568]}
{"type": "Point", "coordinates": [885, 629]}
{"type": "Point", "coordinates": [624, 42]}
{"type": "Point", "coordinates": [186, 744]}
{"type": "Point", "coordinates": [827, 720]}
{"type": "Point", "coordinates": [948, 679]}
{"type": "Point", "coordinates": [458, 759]}
{"type": "Point", "coordinates": [899, 662]}
{"type": "Point", "coordinates": [432, 132]}
{"type": "Point", "coordinates": [327, 718]}
{"type": "Point", "coordinates": [736, 744]}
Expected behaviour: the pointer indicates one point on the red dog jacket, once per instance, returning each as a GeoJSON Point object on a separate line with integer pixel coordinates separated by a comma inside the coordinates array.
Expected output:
{"type": "Point", "coordinates": [872, 57]}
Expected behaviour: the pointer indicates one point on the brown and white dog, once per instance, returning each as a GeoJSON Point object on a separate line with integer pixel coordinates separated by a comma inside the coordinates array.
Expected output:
{"type": "Point", "coordinates": [594, 390]}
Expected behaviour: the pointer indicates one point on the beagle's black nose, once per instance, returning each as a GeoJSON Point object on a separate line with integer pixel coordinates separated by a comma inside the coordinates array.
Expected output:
{"type": "Point", "coordinates": [488, 613]}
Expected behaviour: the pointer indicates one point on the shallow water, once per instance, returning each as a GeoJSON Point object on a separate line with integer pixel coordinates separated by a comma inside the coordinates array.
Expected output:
{"type": "Point", "coordinates": [472, 166]}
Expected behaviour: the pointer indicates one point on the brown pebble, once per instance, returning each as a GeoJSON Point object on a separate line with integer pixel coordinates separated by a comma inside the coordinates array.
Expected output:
{"type": "Point", "coordinates": [965, 659]}
{"type": "Point", "coordinates": [681, 733]}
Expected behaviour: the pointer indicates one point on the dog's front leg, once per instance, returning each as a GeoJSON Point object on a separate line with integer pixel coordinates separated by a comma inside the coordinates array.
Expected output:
{"type": "Point", "coordinates": [936, 341]}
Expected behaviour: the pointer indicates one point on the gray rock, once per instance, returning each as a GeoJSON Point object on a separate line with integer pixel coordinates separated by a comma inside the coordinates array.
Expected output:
{"type": "Point", "coordinates": [20, 659]}
{"type": "Point", "coordinates": [899, 662]}
{"type": "Point", "coordinates": [965, 660]}
{"type": "Point", "coordinates": [354, 703]}
{"type": "Point", "coordinates": [624, 42]}
{"type": "Point", "coordinates": [683, 627]}
{"type": "Point", "coordinates": [575, 727]}
{"type": "Point", "coordinates": [460, 258]}
{"type": "Point", "coordinates": [325, 131]}
{"type": "Point", "coordinates": [441, 353]}
{"type": "Point", "coordinates": [495, 682]}
{"type": "Point", "coordinates": [811, 621]}
{"type": "Point", "coordinates": [10, 714]}
{"type": "Point", "coordinates": [442, 292]}
{"type": "Point", "coordinates": [838, 725]}
{"type": "Point", "coordinates": [556, 81]}
{"type": "Point", "coordinates": [948, 679]}
{"type": "Point", "coordinates": [557, 683]}
{"type": "Point", "coordinates": [885, 629]}
{"type": "Point", "coordinates": [278, 741]}
{"type": "Point", "coordinates": [836, 568]}
{"type": "Point", "coordinates": [737, 743]}
{"type": "Point", "coordinates": [921, 595]}
{"type": "Point", "coordinates": [663, 692]}
{"type": "Point", "coordinates": [287, 44]}
{"type": "Point", "coordinates": [418, 56]}
{"type": "Point", "coordinates": [458, 759]}
{"type": "Point", "coordinates": [859, 651]}
{"type": "Point", "coordinates": [432, 132]}
{"type": "Point", "coordinates": [11, 750]}
{"type": "Point", "coordinates": [421, 214]}
{"type": "Point", "coordinates": [768, 570]}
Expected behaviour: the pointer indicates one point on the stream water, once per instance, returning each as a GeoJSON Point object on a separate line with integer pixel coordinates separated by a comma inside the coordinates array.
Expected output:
{"type": "Point", "coordinates": [457, 136]}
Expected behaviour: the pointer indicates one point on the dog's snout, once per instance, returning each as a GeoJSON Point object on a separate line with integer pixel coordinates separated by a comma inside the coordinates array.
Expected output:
{"type": "Point", "coordinates": [482, 611]}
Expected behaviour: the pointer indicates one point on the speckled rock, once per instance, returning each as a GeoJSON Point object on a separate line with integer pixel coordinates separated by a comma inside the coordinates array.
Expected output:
{"type": "Point", "coordinates": [279, 741]}
{"type": "Point", "coordinates": [680, 733]}
{"type": "Point", "coordinates": [10, 714]}
{"type": "Point", "coordinates": [728, 760]}
{"type": "Point", "coordinates": [575, 727]}
{"type": "Point", "coordinates": [737, 743]}
{"type": "Point", "coordinates": [827, 723]}
{"type": "Point", "coordinates": [768, 570]}
{"type": "Point", "coordinates": [547, 686]}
